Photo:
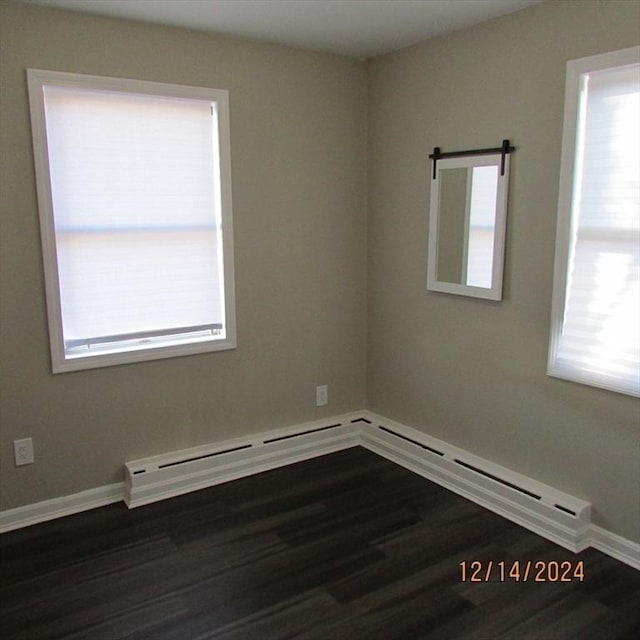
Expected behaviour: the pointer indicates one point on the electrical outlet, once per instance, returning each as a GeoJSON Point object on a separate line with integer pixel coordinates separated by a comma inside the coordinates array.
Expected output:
{"type": "Point", "coordinates": [322, 395]}
{"type": "Point", "coordinates": [23, 451]}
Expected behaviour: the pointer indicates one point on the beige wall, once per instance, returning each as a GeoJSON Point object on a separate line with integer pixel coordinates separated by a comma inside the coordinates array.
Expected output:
{"type": "Point", "coordinates": [467, 371]}
{"type": "Point", "coordinates": [298, 135]}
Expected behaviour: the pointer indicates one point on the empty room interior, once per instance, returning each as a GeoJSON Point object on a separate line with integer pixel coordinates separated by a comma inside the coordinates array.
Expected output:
{"type": "Point", "coordinates": [339, 405]}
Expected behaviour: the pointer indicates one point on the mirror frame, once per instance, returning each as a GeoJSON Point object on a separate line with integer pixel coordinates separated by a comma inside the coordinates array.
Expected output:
{"type": "Point", "coordinates": [433, 283]}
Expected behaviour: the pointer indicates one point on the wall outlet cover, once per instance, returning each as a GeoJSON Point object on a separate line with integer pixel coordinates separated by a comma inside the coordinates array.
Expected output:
{"type": "Point", "coordinates": [23, 451]}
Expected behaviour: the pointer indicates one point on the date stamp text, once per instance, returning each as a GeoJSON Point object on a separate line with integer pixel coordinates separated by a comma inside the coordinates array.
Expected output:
{"type": "Point", "coordinates": [522, 571]}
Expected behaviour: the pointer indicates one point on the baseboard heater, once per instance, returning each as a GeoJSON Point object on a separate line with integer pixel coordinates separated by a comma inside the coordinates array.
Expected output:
{"type": "Point", "coordinates": [164, 476]}
{"type": "Point", "coordinates": [552, 514]}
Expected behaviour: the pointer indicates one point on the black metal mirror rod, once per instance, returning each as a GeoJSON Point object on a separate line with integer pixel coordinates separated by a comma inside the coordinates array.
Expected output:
{"type": "Point", "coordinates": [504, 149]}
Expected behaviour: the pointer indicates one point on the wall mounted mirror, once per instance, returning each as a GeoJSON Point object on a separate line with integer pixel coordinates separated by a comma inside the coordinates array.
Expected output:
{"type": "Point", "coordinates": [467, 222]}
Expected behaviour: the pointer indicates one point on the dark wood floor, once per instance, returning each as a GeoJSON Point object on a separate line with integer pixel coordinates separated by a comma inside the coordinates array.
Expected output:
{"type": "Point", "coordinates": [344, 546]}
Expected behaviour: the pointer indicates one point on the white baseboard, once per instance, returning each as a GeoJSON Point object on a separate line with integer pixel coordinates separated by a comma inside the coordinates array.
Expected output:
{"type": "Point", "coordinates": [58, 507]}
{"type": "Point", "coordinates": [552, 514]}
{"type": "Point", "coordinates": [615, 546]}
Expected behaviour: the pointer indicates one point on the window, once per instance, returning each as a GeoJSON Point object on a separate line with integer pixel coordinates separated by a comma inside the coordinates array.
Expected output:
{"type": "Point", "coordinates": [595, 332]}
{"type": "Point", "coordinates": [135, 210]}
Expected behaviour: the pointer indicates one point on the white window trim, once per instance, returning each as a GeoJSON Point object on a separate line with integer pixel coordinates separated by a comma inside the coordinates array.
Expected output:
{"type": "Point", "coordinates": [37, 79]}
{"type": "Point", "coordinates": [564, 231]}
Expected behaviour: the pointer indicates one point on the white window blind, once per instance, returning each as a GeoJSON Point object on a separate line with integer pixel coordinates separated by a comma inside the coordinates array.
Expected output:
{"type": "Point", "coordinates": [597, 311]}
{"type": "Point", "coordinates": [136, 214]}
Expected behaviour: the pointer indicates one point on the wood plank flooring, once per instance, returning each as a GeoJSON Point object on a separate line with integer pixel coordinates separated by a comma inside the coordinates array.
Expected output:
{"type": "Point", "coordinates": [347, 546]}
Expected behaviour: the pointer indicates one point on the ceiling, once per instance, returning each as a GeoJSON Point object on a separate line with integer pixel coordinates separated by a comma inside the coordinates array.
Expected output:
{"type": "Point", "coordinates": [358, 28]}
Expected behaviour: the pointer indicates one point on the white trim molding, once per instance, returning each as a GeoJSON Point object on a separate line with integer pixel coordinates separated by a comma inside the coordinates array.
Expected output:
{"type": "Point", "coordinates": [552, 514]}
{"type": "Point", "coordinates": [59, 507]}
{"type": "Point", "coordinates": [615, 546]}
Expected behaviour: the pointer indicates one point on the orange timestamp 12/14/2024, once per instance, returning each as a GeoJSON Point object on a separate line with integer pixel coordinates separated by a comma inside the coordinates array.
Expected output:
{"type": "Point", "coordinates": [522, 571]}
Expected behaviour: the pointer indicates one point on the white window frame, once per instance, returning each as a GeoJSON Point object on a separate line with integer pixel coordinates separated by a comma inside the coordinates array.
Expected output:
{"type": "Point", "coordinates": [145, 349]}
{"type": "Point", "coordinates": [565, 223]}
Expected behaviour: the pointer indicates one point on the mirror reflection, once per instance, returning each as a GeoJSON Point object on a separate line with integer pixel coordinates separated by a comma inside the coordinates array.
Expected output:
{"type": "Point", "coordinates": [467, 225]}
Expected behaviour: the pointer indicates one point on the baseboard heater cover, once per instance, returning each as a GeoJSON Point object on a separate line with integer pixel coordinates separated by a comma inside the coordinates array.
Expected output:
{"type": "Point", "coordinates": [557, 516]}
{"type": "Point", "coordinates": [159, 477]}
